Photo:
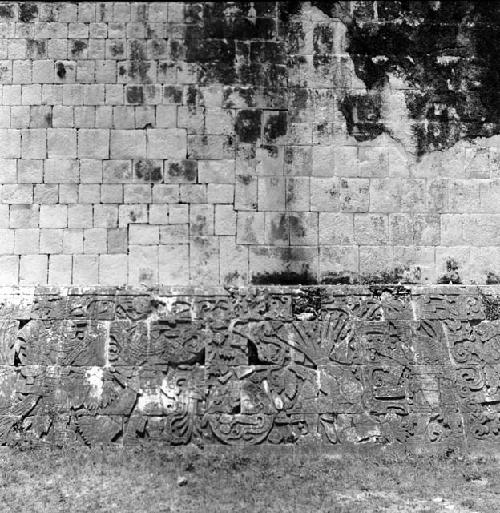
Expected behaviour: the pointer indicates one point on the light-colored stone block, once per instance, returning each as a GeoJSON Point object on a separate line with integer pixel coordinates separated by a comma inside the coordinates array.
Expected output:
{"type": "Point", "coordinates": [336, 228]}
{"type": "Point", "coordinates": [61, 143]}
{"type": "Point", "coordinates": [33, 270]}
{"type": "Point", "coordinates": [60, 267]}
{"type": "Point", "coordinates": [225, 220]}
{"type": "Point", "coordinates": [128, 144]}
{"type": "Point", "coordinates": [93, 144]}
{"type": "Point", "coordinates": [10, 143]}
{"type": "Point", "coordinates": [143, 265]}
{"type": "Point", "coordinates": [26, 241]}
{"type": "Point", "coordinates": [53, 216]}
{"type": "Point", "coordinates": [85, 270]}
{"type": "Point", "coordinates": [95, 241]}
{"type": "Point", "coordinates": [173, 264]}
{"type": "Point", "coordinates": [34, 143]}
{"type": "Point", "coordinates": [113, 269]}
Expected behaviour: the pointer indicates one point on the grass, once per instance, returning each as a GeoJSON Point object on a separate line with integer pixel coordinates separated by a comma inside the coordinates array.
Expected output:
{"type": "Point", "coordinates": [263, 479]}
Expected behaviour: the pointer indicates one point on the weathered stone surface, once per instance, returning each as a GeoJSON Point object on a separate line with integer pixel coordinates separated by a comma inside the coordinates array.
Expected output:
{"type": "Point", "coordinates": [331, 364]}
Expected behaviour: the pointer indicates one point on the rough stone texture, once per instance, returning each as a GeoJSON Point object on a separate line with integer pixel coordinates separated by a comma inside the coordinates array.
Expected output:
{"type": "Point", "coordinates": [308, 142]}
{"type": "Point", "coordinates": [413, 367]}
{"type": "Point", "coordinates": [226, 145]}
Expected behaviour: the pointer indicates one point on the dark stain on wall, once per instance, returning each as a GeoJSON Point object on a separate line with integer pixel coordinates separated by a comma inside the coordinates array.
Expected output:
{"type": "Point", "coordinates": [6, 11]}
{"type": "Point", "coordinates": [148, 170]}
{"type": "Point", "coordinates": [247, 125]}
{"type": "Point", "coordinates": [447, 53]}
{"type": "Point", "coordinates": [27, 12]}
{"type": "Point", "coordinates": [284, 278]}
{"type": "Point", "coordinates": [61, 70]}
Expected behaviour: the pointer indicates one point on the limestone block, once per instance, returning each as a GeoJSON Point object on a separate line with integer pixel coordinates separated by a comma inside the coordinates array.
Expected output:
{"type": "Point", "coordinates": [72, 241]}
{"type": "Point", "coordinates": [336, 228]}
{"type": "Point", "coordinates": [233, 262]}
{"type": "Point", "coordinates": [325, 194]}
{"type": "Point", "coordinates": [225, 220]}
{"type": "Point", "coordinates": [373, 161]}
{"type": "Point", "coordinates": [245, 193]}
{"type": "Point", "coordinates": [201, 220]}
{"type": "Point", "coordinates": [181, 171]}
{"type": "Point", "coordinates": [271, 194]}
{"type": "Point", "coordinates": [220, 193]}
{"type": "Point", "coordinates": [27, 241]}
{"type": "Point", "coordinates": [303, 228]}
{"type": "Point", "coordinates": [85, 193]}
{"type": "Point", "coordinates": [33, 270]}
{"type": "Point", "coordinates": [193, 193]}
{"type": "Point", "coordinates": [95, 241]}
{"type": "Point", "coordinates": [250, 228]}
{"type": "Point", "coordinates": [165, 193]}
{"type": "Point", "coordinates": [80, 216]}
{"type": "Point", "coordinates": [61, 143]}
{"type": "Point", "coordinates": [178, 214]}
{"type": "Point", "coordinates": [137, 193]}
{"type": "Point", "coordinates": [113, 269]}
{"type": "Point", "coordinates": [34, 143]}
{"type": "Point", "coordinates": [8, 171]}
{"type": "Point", "coordinates": [174, 264]}
{"type": "Point", "coordinates": [9, 270]}
{"type": "Point", "coordinates": [43, 71]}
{"type": "Point", "coordinates": [158, 214]}
{"type": "Point", "coordinates": [4, 216]}
{"type": "Point", "coordinates": [61, 171]}
{"type": "Point", "coordinates": [6, 241]}
{"type": "Point", "coordinates": [51, 240]}
{"type": "Point", "coordinates": [276, 229]}
{"type": "Point", "coordinates": [105, 216]}
{"type": "Point", "coordinates": [481, 229]}
{"type": "Point", "coordinates": [298, 194]}
{"type": "Point", "coordinates": [371, 229]}
{"type": "Point", "coordinates": [128, 144]}
{"type": "Point", "coordinates": [271, 264]}
{"type": "Point", "coordinates": [117, 240]}
{"type": "Point", "coordinates": [338, 264]}
{"type": "Point", "coordinates": [143, 234]}
{"type": "Point", "coordinates": [168, 143]}
{"type": "Point", "coordinates": [416, 262]}
{"type": "Point", "coordinates": [62, 116]}
{"type": "Point", "coordinates": [93, 143]}
{"type": "Point", "coordinates": [53, 216]}
{"type": "Point", "coordinates": [143, 265]}
{"type": "Point", "coordinates": [111, 193]}
{"type": "Point", "coordinates": [128, 214]}
{"type": "Point", "coordinates": [85, 269]}
{"type": "Point", "coordinates": [166, 116]}
{"type": "Point", "coordinates": [323, 161]}
{"type": "Point", "coordinates": [117, 171]}
{"type": "Point", "coordinates": [60, 270]}
{"type": "Point", "coordinates": [10, 143]}
{"type": "Point", "coordinates": [463, 196]}
{"type": "Point", "coordinates": [216, 171]}
{"type": "Point", "coordinates": [30, 171]}
{"type": "Point", "coordinates": [24, 216]}
{"type": "Point", "coordinates": [174, 234]}
{"type": "Point", "coordinates": [489, 196]}
{"type": "Point", "coordinates": [375, 260]}
{"type": "Point", "coordinates": [204, 260]}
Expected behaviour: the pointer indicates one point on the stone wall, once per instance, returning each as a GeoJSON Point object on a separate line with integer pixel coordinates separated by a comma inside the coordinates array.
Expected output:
{"type": "Point", "coordinates": [202, 206]}
{"type": "Point", "coordinates": [238, 143]}
{"type": "Point", "coordinates": [412, 367]}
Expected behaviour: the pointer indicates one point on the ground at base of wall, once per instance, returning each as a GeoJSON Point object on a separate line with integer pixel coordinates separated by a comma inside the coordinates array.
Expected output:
{"type": "Point", "coordinates": [291, 479]}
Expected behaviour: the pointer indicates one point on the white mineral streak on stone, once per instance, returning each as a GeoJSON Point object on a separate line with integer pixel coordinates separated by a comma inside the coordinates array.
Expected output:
{"type": "Point", "coordinates": [95, 376]}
